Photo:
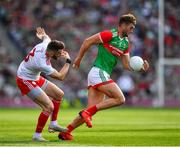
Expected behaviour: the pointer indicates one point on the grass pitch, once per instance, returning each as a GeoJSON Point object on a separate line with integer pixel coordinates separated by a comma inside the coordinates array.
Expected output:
{"type": "Point", "coordinates": [115, 127]}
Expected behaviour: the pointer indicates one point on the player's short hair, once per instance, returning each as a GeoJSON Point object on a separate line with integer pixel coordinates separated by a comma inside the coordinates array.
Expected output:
{"type": "Point", "coordinates": [127, 18]}
{"type": "Point", "coordinates": [55, 45]}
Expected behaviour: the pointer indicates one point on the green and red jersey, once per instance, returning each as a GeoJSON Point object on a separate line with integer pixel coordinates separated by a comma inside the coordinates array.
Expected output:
{"type": "Point", "coordinates": [110, 49]}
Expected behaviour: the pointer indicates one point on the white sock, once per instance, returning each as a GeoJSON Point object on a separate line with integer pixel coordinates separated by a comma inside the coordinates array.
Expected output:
{"type": "Point", "coordinates": [37, 134]}
{"type": "Point", "coordinates": [53, 123]}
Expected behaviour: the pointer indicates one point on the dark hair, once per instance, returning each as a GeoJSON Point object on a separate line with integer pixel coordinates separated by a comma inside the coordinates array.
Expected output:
{"type": "Point", "coordinates": [127, 18]}
{"type": "Point", "coordinates": [55, 45]}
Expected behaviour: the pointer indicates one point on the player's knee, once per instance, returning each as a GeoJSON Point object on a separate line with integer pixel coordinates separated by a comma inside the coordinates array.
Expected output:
{"type": "Point", "coordinates": [120, 101]}
{"type": "Point", "coordinates": [49, 108]}
{"type": "Point", "coordinates": [60, 95]}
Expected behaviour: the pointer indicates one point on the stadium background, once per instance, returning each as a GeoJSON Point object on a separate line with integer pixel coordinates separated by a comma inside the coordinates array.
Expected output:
{"type": "Point", "coordinates": [73, 21]}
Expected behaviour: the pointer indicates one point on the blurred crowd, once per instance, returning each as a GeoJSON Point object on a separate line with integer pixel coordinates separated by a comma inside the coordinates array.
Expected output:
{"type": "Point", "coordinates": [72, 21]}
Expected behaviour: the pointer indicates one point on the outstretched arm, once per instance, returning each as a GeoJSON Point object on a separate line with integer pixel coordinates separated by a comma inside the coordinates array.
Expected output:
{"type": "Point", "coordinates": [87, 43]}
{"type": "Point", "coordinates": [41, 34]}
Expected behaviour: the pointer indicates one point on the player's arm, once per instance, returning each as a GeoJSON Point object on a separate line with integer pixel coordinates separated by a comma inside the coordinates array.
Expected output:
{"type": "Point", "coordinates": [41, 34]}
{"type": "Point", "coordinates": [98, 38]}
{"type": "Point", "coordinates": [125, 61]}
{"type": "Point", "coordinates": [63, 72]}
{"type": "Point", "coordinates": [87, 43]}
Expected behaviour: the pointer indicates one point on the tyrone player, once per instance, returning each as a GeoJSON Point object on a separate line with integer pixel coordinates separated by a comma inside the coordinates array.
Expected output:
{"type": "Point", "coordinates": [112, 44]}
{"type": "Point", "coordinates": [43, 92]}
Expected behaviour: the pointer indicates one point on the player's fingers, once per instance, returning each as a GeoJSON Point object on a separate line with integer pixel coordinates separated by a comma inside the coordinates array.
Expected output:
{"type": "Point", "coordinates": [75, 66]}
{"type": "Point", "coordinates": [63, 54]}
{"type": "Point", "coordinates": [63, 51]}
{"type": "Point", "coordinates": [146, 64]}
{"type": "Point", "coordinates": [145, 61]}
{"type": "Point", "coordinates": [40, 30]}
{"type": "Point", "coordinates": [37, 29]}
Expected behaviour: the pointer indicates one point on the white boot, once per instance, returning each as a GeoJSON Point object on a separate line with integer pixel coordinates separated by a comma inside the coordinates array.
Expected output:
{"type": "Point", "coordinates": [38, 139]}
{"type": "Point", "coordinates": [56, 128]}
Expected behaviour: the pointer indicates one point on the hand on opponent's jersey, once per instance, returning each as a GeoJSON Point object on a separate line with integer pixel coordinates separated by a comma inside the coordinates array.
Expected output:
{"type": "Point", "coordinates": [40, 33]}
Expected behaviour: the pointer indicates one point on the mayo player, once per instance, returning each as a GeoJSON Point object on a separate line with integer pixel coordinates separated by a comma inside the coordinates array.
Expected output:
{"type": "Point", "coordinates": [43, 92]}
{"type": "Point", "coordinates": [112, 45]}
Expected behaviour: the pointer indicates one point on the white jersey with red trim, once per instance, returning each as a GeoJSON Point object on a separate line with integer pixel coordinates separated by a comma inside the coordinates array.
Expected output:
{"type": "Point", "coordinates": [35, 63]}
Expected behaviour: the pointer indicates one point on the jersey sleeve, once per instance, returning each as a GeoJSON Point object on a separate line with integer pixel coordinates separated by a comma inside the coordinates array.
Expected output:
{"type": "Point", "coordinates": [45, 66]}
{"type": "Point", "coordinates": [105, 36]}
{"type": "Point", "coordinates": [46, 41]}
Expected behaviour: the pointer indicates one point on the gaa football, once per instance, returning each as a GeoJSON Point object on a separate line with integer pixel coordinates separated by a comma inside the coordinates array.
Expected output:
{"type": "Point", "coordinates": [136, 63]}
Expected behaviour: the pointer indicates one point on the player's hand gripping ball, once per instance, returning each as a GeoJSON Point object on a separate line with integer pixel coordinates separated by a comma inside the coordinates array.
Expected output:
{"type": "Point", "coordinates": [136, 63]}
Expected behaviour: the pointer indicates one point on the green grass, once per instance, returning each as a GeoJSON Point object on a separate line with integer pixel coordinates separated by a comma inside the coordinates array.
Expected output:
{"type": "Point", "coordinates": [115, 127]}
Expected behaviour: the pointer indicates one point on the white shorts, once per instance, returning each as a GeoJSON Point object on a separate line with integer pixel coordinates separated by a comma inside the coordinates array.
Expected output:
{"type": "Point", "coordinates": [98, 77]}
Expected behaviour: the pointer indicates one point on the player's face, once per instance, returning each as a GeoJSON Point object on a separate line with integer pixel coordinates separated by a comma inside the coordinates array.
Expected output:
{"type": "Point", "coordinates": [57, 54]}
{"type": "Point", "coordinates": [128, 29]}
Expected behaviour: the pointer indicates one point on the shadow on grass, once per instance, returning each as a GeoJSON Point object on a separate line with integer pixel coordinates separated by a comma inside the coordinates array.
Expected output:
{"type": "Point", "coordinates": [27, 142]}
{"type": "Point", "coordinates": [133, 130]}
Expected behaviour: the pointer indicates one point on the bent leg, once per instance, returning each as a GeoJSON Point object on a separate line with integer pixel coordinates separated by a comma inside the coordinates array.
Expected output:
{"type": "Point", "coordinates": [116, 98]}
{"type": "Point", "coordinates": [56, 94]}
{"type": "Point", "coordinates": [94, 97]}
{"type": "Point", "coordinates": [40, 98]}
{"type": "Point", "coordinates": [47, 108]}
{"type": "Point", "coordinates": [115, 95]}
{"type": "Point", "coordinates": [54, 91]}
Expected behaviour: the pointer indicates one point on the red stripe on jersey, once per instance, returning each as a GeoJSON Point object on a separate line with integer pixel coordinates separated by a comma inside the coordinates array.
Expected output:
{"type": "Point", "coordinates": [115, 51]}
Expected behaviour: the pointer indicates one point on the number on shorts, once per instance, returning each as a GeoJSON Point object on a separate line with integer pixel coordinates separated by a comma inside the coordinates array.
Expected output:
{"type": "Point", "coordinates": [30, 54]}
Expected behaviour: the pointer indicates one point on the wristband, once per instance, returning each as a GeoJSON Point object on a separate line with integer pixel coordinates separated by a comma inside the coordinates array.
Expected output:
{"type": "Point", "coordinates": [68, 61]}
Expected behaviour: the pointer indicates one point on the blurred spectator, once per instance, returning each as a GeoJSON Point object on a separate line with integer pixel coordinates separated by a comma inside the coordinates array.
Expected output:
{"type": "Point", "coordinates": [8, 70]}
{"type": "Point", "coordinates": [126, 83]}
{"type": "Point", "coordinates": [82, 95]}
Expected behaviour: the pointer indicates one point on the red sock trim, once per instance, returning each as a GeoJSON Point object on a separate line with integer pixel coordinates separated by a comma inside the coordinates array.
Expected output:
{"type": "Point", "coordinates": [56, 110]}
{"type": "Point", "coordinates": [43, 117]}
{"type": "Point", "coordinates": [70, 128]}
{"type": "Point", "coordinates": [92, 110]}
